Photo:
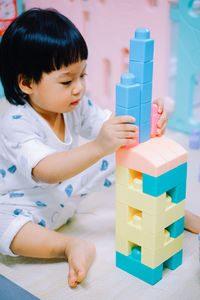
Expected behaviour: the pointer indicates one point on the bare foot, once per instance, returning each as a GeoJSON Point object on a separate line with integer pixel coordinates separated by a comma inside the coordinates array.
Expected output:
{"type": "Point", "coordinates": [80, 255]}
{"type": "Point", "coordinates": [192, 222]}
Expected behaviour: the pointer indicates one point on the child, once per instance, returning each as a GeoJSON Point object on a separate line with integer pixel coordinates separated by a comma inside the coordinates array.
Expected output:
{"type": "Point", "coordinates": [43, 171]}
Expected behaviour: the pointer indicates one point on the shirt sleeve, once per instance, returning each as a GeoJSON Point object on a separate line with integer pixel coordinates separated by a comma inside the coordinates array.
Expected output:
{"type": "Point", "coordinates": [23, 145]}
{"type": "Point", "coordinates": [92, 118]}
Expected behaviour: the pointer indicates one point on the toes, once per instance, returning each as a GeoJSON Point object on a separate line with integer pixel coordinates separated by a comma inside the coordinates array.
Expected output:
{"type": "Point", "coordinates": [80, 275]}
{"type": "Point", "coordinates": [72, 277]}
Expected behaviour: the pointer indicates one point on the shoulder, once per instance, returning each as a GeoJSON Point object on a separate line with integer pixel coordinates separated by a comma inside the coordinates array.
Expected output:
{"type": "Point", "coordinates": [18, 118]}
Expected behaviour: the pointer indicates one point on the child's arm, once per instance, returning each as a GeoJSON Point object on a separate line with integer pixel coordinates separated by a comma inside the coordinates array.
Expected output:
{"type": "Point", "coordinates": [115, 132]}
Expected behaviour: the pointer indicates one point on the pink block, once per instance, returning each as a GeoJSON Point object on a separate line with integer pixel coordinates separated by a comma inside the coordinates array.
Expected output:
{"type": "Point", "coordinates": [155, 116]}
{"type": "Point", "coordinates": [154, 157]}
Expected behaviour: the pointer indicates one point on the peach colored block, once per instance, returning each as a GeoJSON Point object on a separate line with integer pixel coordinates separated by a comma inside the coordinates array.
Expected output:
{"type": "Point", "coordinates": [153, 157]}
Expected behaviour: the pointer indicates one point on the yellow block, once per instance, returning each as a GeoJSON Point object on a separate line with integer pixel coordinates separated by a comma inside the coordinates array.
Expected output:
{"type": "Point", "coordinates": [152, 258]}
{"type": "Point", "coordinates": [143, 202]}
{"type": "Point", "coordinates": [129, 230]}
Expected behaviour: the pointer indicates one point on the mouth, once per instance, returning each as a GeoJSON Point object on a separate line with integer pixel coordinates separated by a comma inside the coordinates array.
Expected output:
{"type": "Point", "coordinates": [74, 103]}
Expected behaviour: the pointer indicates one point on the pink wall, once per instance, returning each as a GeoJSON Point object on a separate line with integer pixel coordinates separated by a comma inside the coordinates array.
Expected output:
{"type": "Point", "coordinates": [107, 26]}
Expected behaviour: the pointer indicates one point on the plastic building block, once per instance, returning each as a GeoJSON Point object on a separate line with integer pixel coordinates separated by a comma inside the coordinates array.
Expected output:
{"type": "Point", "coordinates": [155, 116]}
{"type": "Point", "coordinates": [194, 139]}
{"type": "Point", "coordinates": [154, 258]}
{"type": "Point", "coordinates": [178, 193]}
{"type": "Point", "coordinates": [134, 267]}
{"type": "Point", "coordinates": [150, 158]}
{"type": "Point", "coordinates": [144, 134]}
{"type": "Point", "coordinates": [141, 47]}
{"type": "Point", "coordinates": [175, 261]}
{"type": "Point", "coordinates": [142, 71]}
{"type": "Point", "coordinates": [176, 228]}
{"type": "Point", "coordinates": [145, 112]}
{"type": "Point", "coordinates": [150, 180]}
{"type": "Point", "coordinates": [146, 92]}
{"type": "Point", "coordinates": [134, 112]}
{"type": "Point", "coordinates": [188, 65]}
{"type": "Point", "coordinates": [156, 186]}
{"type": "Point", "coordinates": [128, 92]}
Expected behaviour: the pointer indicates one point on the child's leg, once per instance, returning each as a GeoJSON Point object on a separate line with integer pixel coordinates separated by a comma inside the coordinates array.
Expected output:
{"type": "Point", "coordinates": [192, 222]}
{"type": "Point", "coordinates": [36, 241]}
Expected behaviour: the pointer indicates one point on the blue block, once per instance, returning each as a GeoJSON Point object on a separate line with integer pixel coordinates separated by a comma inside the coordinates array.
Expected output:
{"type": "Point", "coordinates": [178, 193]}
{"type": "Point", "coordinates": [145, 113]}
{"type": "Point", "coordinates": [156, 186]}
{"type": "Point", "coordinates": [134, 267]}
{"type": "Point", "coordinates": [127, 92]}
{"type": "Point", "coordinates": [176, 228]}
{"type": "Point", "coordinates": [146, 92]}
{"type": "Point", "coordinates": [141, 47]}
{"type": "Point", "coordinates": [144, 132]}
{"type": "Point", "coordinates": [134, 112]}
{"type": "Point", "coordinates": [142, 71]}
{"type": "Point", "coordinates": [175, 261]}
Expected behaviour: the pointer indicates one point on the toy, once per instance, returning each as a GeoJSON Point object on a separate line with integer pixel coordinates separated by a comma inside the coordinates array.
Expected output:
{"type": "Point", "coordinates": [185, 14]}
{"type": "Point", "coordinates": [150, 179]}
{"type": "Point", "coordinates": [194, 139]}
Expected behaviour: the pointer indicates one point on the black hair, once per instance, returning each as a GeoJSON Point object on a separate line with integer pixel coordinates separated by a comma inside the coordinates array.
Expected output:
{"type": "Point", "coordinates": [38, 41]}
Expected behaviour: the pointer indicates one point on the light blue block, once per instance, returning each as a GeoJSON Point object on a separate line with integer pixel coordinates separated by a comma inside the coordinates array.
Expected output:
{"type": "Point", "coordinates": [175, 261]}
{"type": "Point", "coordinates": [185, 116]}
{"type": "Point", "coordinates": [178, 193]}
{"type": "Point", "coordinates": [145, 113]}
{"type": "Point", "coordinates": [134, 112]}
{"type": "Point", "coordinates": [127, 92]}
{"type": "Point", "coordinates": [156, 186]}
{"type": "Point", "coordinates": [176, 228]}
{"type": "Point", "coordinates": [142, 71]}
{"type": "Point", "coordinates": [141, 47]}
{"type": "Point", "coordinates": [144, 132]}
{"type": "Point", "coordinates": [146, 92]}
{"type": "Point", "coordinates": [134, 267]}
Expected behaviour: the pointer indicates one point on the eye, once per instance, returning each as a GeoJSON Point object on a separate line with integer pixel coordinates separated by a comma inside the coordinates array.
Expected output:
{"type": "Point", "coordinates": [66, 82]}
{"type": "Point", "coordinates": [83, 75]}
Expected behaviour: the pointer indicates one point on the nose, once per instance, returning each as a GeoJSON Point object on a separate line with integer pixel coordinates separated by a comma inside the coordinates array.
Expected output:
{"type": "Point", "coordinates": [77, 88]}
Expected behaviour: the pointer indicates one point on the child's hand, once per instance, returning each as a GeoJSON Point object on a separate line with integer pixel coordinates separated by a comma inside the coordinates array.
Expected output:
{"type": "Point", "coordinates": [162, 122]}
{"type": "Point", "coordinates": [116, 132]}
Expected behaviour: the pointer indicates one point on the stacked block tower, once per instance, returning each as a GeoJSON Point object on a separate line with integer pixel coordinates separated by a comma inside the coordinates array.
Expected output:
{"type": "Point", "coordinates": [150, 179]}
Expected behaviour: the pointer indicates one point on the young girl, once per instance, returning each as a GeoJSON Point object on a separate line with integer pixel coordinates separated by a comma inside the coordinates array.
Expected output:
{"type": "Point", "coordinates": [43, 171]}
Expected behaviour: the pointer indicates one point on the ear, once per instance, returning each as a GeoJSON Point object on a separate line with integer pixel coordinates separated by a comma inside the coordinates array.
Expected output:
{"type": "Point", "coordinates": [25, 84]}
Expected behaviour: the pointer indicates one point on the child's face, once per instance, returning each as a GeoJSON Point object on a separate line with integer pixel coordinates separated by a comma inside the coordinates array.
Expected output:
{"type": "Point", "coordinates": [59, 91]}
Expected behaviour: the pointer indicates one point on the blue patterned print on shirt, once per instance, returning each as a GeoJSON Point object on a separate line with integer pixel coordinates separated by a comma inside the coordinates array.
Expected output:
{"type": "Point", "coordinates": [40, 203]}
{"type": "Point", "coordinates": [90, 102]}
{"type": "Point", "coordinates": [83, 195]}
{"type": "Point", "coordinates": [16, 117]}
{"type": "Point", "coordinates": [17, 211]}
{"type": "Point", "coordinates": [16, 194]}
{"type": "Point", "coordinates": [42, 223]}
{"type": "Point", "coordinates": [62, 205]}
{"type": "Point", "coordinates": [3, 172]}
{"type": "Point", "coordinates": [12, 169]}
{"type": "Point", "coordinates": [104, 165]}
{"type": "Point", "coordinates": [69, 190]}
{"type": "Point", "coordinates": [107, 183]}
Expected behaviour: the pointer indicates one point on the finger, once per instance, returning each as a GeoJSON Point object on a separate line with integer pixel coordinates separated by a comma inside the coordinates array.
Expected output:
{"type": "Point", "coordinates": [126, 127]}
{"type": "Point", "coordinates": [162, 120]}
{"type": "Point", "coordinates": [123, 119]}
{"type": "Point", "coordinates": [161, 130]}
{"type": "Point", "coordinates": [127, 135]}
{"type": "Point", "coordinates": [160, 103]}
